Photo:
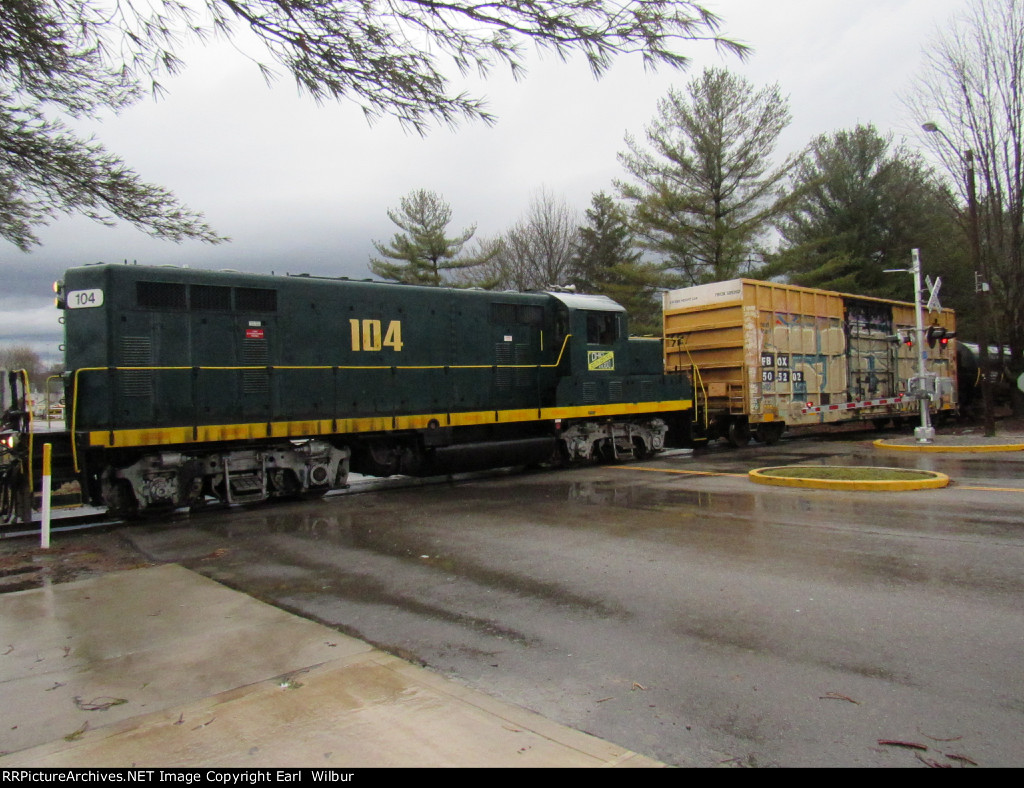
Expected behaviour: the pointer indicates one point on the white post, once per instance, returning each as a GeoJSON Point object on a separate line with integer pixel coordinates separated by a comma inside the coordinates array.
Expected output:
{"type": "Point", "coordinates": [925, 433]}
{"type": "Point", "coordinates": [44, 524]}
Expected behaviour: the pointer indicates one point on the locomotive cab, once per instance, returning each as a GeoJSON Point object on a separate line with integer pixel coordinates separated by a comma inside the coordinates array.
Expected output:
{"type": "Point", "coordinates": [605, 364]}
{"type": "Point", "coordinates": [596, 326]}
{"type": "Point", "coordinates": [607, 378]}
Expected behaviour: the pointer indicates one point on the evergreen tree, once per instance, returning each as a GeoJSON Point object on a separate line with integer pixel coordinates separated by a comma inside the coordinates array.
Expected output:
{"type": "Point", "coordinates": [422, 251]}
{"type": "Point", "coordinates": [608, 262]}
{"type": "Point", "coordinates": [861, 204]}
{"type": "Point", "coordinates": [705, 190]}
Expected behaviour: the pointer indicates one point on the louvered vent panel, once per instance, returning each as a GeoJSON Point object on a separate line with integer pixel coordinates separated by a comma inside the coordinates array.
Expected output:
{"type": "Point", "coordinates": [255, 354]}
{"type": "Point", "coordinates": [503, 353]}
{"type": "Point", "coordinates": [136, 352]}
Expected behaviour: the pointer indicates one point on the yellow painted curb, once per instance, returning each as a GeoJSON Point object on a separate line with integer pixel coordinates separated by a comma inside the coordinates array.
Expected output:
{"type": "Point", "coordinates": [929, 480]}
{"type": "Point", "coordinates": [931, 447]}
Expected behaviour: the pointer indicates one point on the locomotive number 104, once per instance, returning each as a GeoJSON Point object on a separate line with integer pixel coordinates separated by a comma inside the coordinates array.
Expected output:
{"type": "Point", "coordinates": [370, 335]}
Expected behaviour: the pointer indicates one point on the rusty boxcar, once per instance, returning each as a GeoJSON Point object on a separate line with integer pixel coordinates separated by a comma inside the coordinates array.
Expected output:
{"type": "Point", "coordinates": [764, 356]}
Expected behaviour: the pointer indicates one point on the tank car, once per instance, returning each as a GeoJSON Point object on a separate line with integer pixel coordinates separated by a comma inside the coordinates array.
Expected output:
{"type": "Point", "coordinates": [185, 385]}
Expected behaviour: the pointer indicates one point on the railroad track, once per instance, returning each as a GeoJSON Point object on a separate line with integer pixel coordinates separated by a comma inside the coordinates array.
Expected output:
{"type": "Point", "coordinates": [97, 518]}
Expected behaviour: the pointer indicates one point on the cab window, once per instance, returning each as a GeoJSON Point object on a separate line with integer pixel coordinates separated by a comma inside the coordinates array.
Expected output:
{"type": "Point", "coordinates": [602, 328]}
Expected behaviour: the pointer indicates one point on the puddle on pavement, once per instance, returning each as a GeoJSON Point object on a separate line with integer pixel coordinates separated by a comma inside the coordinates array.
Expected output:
{"type": "Point", "coordinates": [383, 549]}
{"type": "Point", "coordinates": [21, 578]}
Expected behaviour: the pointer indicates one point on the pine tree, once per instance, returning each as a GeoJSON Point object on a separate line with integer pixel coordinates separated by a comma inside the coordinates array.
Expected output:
{"type": "Point", "coordinates": [608, 262]}
{"type": "Point", "coordinates": [422, 251]}
{"type": "Point", "coordinates": [706, 189]}
{"type": "Point", "coordinates": [861, 204]}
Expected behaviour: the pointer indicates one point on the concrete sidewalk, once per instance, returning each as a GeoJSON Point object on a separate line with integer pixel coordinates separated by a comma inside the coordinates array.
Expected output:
{"type": "Point", "coordinates": [162, 667]}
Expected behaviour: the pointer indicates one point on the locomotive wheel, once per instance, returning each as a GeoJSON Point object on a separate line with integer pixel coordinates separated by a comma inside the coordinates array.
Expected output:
{"type": "Point", "coordinates": [606, 451]}
{"type": "Point", "coordinates": [120, 499]}
{"type": "Point", "coordinates": [286, 484]}
{"type": "Point", "coordinates": [560, 456]}
{"type": "Point", "coordinates": [10, 494]}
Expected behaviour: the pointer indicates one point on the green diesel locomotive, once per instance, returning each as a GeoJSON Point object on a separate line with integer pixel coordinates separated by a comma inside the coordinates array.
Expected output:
{"type": "Point", "coordinates": [185, 385]}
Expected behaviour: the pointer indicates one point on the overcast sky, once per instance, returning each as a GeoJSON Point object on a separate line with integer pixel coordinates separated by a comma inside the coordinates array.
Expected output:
{"type": "Point", "coordinates": [302, 188]}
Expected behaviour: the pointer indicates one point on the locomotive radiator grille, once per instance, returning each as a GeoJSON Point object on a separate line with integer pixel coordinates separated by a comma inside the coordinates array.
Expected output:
{"type": "Point", "coordinates": [136, 352]}
{"type": "Point", "coordinates": [503, 354]}
{"type": "Point", "coordinates": [254, 354]}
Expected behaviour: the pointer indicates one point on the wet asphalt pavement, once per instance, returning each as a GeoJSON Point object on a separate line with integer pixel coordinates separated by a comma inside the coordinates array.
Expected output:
{"type": "Point", "coordinates": [698, 619]}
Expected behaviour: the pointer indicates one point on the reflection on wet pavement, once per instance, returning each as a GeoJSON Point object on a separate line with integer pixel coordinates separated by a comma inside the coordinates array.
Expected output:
{"type": "Point", "coordinates": [733, 607]}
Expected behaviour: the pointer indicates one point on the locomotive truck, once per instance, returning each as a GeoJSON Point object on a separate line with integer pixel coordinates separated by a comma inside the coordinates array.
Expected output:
{"type": "Point", "coordinates": [184, 386]}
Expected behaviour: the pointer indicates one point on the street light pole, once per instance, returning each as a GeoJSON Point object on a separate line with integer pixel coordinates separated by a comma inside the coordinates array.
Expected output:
{"type": "Point", "coordinates": [983, 307]}
{"type": "Point", "coordinates": [977, 262]}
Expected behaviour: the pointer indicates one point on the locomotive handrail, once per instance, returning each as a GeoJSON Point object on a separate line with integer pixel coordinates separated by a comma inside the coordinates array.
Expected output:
{"type": "Point", "coordinates": [74, 396]}
{"type": "Point", "coordinates": [46, 392]}
{"type": "Point", "coordinates": [26, 405]}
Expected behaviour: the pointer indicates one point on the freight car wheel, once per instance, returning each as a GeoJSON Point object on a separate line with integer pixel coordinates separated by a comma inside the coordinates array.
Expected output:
{"type": "Point", "coordinates": [769, 434]}
{"type": "Point", "coordinates": [738, 434]}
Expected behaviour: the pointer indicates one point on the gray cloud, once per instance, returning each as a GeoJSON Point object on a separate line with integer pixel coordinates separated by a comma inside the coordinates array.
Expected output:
{"type": "Point", "coordinates": [306, 188]}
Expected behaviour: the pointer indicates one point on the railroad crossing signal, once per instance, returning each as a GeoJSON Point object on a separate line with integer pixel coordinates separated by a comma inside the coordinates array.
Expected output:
{"type": "Point", "coordinates": [933, 293]}
{"type": "Point", "coordinates": [940, 335]}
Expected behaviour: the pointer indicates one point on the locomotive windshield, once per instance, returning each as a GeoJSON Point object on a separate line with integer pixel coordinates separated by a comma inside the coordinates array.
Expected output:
{"type": "Point", "coordinates": [602, 328]}
{"type": "Point", "coordinates": [598, 318]}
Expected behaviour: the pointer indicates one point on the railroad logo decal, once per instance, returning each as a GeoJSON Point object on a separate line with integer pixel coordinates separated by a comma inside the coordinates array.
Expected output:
{"type": "Point", "coordinates": [601, 360]}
